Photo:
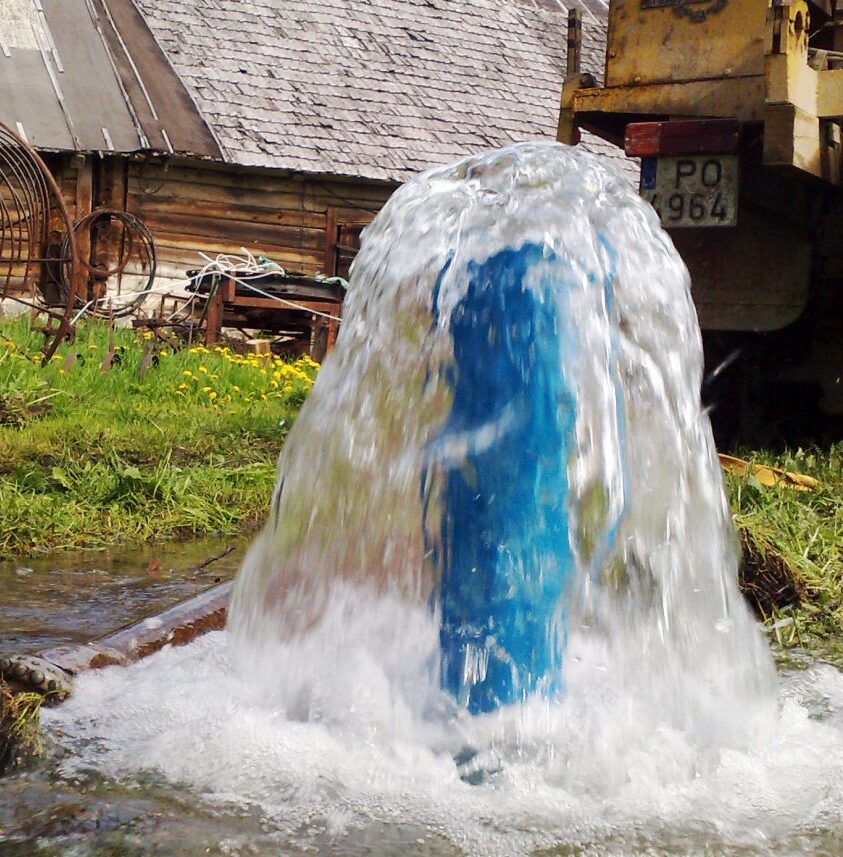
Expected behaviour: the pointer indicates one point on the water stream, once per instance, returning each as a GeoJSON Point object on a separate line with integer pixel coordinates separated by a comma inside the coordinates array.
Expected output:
{"type": "Point", "coordinates": [494, 609]}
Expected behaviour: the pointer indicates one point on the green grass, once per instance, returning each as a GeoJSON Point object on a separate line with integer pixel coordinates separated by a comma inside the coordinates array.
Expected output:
{"type": "Point", "coordinates": [90, 457]}
{"type": "Point", "coordinates": [804, 528]}
{"type": "Point", "coordinates": [20, 732]}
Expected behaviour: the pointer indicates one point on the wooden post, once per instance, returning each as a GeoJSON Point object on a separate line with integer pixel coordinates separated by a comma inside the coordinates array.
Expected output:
{"type": "Point", "coordinates": [837, 42]}
{"type": "Point", "coordinates": [329, 267]}
{"type": "Point", "coordinates": [318, 340]}
{"type": "Point", "coordinates": [112, 188]}
{"type": "Point", "coordinates": [213, 326]}
{"type": "Point", "coordinates": [573, 56]}
{"type": "Point", "coordinates": [83, 205]}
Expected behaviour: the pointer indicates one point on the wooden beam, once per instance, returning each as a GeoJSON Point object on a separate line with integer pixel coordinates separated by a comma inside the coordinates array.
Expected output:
{"type": "Point", "coordinates": [572, 57]}
{"type": "Point", "coordinates": [739, 98]}
{"type": "Point", "coordinates": [830, 93]}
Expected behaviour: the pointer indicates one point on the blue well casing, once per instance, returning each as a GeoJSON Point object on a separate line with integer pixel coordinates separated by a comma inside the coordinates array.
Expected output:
{"type": "Point", "coordinates": [503, 545]}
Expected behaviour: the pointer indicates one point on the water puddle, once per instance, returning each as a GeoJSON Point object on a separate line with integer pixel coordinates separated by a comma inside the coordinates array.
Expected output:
{"type": "Point", "coordinates": [68, 598]}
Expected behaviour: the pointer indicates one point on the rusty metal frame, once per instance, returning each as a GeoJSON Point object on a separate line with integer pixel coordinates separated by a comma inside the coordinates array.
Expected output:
{"type": "Point", "coordinates": [29, 196]}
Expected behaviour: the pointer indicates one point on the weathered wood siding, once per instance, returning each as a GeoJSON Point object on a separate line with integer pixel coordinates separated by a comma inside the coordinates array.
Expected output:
{"type": "Point", "coordinates": [195, 206]}
{"type": "Point", "coordinates": [191, 206]}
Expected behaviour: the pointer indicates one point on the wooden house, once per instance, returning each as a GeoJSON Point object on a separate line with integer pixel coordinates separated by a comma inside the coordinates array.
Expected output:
{"type": "Point", "coordinates": [280, 126]}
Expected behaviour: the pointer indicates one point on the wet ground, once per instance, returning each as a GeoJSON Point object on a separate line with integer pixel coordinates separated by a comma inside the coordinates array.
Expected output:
{"type": "Point", "coordinates": [67, 806]}
{"type": "Point", "coordinates": [47, 812]}
{"type": "Point", "coordinates": [72, 598]}
{"type": "Point", "coordinates": [75, 597]}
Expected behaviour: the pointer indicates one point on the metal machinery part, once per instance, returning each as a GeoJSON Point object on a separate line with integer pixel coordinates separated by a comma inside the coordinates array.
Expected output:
{"type": "Point", "coordinates": [135, 259]}
{"type": "Point", "coordinates": [771, 285]}
{"type": "Point", "coordinates": [33, 219]}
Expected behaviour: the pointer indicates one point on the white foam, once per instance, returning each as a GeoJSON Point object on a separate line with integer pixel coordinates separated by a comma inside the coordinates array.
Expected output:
{"type": "Point", "coordinates": [323, 748]}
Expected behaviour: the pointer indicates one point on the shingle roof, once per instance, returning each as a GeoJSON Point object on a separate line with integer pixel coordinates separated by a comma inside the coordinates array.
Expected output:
{"type": "Point", "coordinates": [372, 88]}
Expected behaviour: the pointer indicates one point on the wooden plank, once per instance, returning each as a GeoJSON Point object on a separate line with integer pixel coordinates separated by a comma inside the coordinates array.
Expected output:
{"type": "Point", "coordinates": [178, 246]}
{"type": "Point", "coordinates": [791, 138]}
{"type": "Point", "coordinates": [184, 251]}
{"type": "Point", "coordinates": [286, 198]}
{"type": "Point", "coordinates": [150, 175]}
{"type": "Point", "coordinates": [330, 263]}
{"type": "Point", "coordinates": [257, 303]}
{"type": "Point", "coordinates": [237, 232]}
{"type": "Point", "coordinates": [83, 204]}
{"type": "Point", "coordinates": [213, 317]}
{"type": "Point", "coordinates": [111, 193]}
{"type": "Point", "coordinates": [830, 88]}
{"type": "Point", "coordinates": [573, 55]}
{"type": "Point", "coordinates": [269, 303]}
{"type": "Point", "coordinates": [66, 174]}
{"type": "Point", "coordinates": [738, 98]}
{"type": "Point", "coordinates": [145, 205]}
{"type": "Point", "coordinates": [790, 80]}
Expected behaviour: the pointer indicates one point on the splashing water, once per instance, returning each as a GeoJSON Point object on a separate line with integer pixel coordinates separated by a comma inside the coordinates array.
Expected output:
{"type": "Point", "coordinates": [511, 428]}
{"type": "Point", "coordinates": [495, 605]}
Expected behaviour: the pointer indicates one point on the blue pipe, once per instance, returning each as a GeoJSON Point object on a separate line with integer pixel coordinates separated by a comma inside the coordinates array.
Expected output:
{"type": "Point", "coordinates": [504, 548]}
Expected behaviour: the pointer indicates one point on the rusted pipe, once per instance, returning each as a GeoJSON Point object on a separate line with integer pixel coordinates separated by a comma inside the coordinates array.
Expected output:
{"type": "Point", "coordinates": [51, 671]}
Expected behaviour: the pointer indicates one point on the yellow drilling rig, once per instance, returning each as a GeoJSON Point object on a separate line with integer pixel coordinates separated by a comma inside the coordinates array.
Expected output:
{"type": "Point", "coordinates": [735, 108]}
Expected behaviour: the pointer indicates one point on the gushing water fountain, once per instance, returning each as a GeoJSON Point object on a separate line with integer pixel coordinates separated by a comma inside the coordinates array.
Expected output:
{"type": "Point", "coordinates": [510, 430]}
{"type": "Point", "coordinates": [494, 608]}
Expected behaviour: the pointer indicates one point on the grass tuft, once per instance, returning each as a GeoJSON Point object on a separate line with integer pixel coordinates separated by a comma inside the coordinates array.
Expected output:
{"type": "Point", "coordinates": [20, 727]}
{"type": "Point", "coordinates": [795, 538]}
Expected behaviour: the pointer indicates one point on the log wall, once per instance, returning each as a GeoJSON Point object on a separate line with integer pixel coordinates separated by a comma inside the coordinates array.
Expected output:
{"type": "Point", "coordinates": [193, 207]}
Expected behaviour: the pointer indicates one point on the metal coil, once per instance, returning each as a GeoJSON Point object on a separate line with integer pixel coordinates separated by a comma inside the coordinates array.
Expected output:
{"type": "Point", "coordinates": [135, 257]}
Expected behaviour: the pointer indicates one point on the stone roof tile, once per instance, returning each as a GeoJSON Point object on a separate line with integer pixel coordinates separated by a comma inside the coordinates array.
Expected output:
{"type": "Point", "coordinates": [373, 89]}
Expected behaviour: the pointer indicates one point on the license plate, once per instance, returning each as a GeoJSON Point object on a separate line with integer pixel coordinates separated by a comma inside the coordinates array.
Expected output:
{"type": "Point", "coordinates": [695, 190]}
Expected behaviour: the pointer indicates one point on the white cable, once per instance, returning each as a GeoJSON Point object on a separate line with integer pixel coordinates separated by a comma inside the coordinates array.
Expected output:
{"type": "Point", "coordinates": [224, 264]}
{"type": "Point", "coordinates": [81, 312]}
